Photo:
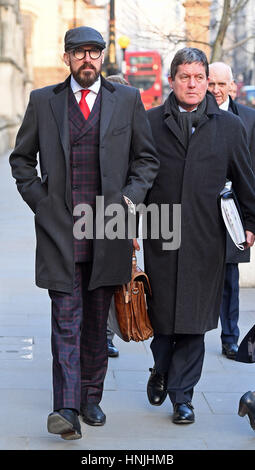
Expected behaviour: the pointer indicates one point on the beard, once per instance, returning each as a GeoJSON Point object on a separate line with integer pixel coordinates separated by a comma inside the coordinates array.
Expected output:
{"type": "Point", "coordinates": [86, 79]}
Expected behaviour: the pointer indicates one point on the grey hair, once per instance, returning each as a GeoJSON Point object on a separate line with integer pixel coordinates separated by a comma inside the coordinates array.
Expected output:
{"type": "Point", "coordinates": [188, 55]}
{"type": "Point", "coordinates": [117, 79]}
{"type": "Point", "coordinates": [226, 66]}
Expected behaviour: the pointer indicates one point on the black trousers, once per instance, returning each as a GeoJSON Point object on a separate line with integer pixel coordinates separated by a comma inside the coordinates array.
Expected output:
{"type": "Point", "coordinates": [181, 357]}
{"type": "Point", "coordinates": [229, 310]}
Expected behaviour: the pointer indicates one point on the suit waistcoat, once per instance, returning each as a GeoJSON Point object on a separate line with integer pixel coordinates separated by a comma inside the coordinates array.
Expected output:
{"type": "Point", "coordinates": [85, 168]}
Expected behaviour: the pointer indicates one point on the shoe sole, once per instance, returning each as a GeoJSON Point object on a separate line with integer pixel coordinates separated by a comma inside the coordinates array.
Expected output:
{"type": "Point", "coordinates": [57, 424]}
{"type": "Point", "coordinates": [183, 421]}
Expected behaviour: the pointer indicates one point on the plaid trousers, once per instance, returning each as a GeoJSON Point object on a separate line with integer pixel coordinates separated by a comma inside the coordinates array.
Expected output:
{"type": "Point", "coordinates": [79, 342]}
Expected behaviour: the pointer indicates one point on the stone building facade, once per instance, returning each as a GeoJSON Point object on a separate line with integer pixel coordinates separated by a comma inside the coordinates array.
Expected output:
{"type": "Point", "coordinates": [14, 81]}
{"type": "Point", "coordinates": [45, 24]}
{"type": "Point", "coordinates": [197, 24]}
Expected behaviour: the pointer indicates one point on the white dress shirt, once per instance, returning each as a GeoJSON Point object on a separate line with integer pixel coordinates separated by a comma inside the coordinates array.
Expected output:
{"type": "Point", "coordinates": [91, 97]}
{"type": "Point", "coordinates": [225, 105]}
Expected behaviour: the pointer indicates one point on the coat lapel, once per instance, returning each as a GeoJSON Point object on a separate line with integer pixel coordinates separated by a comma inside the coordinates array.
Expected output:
{"type": "Point", "coordinates": [174, 128]}
{"type": "Point", "coordinates": [232, 107]}
{"type": "Point", "coordinates": [107, 109]}
{"type": "Point", "coordinates": [59, 105]}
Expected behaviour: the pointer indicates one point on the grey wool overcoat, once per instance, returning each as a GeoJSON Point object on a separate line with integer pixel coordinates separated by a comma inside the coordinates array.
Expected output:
{"type": "Point", "coordinates": [187, 283]}
{"type": "Point", "coordinates": [128, 166]}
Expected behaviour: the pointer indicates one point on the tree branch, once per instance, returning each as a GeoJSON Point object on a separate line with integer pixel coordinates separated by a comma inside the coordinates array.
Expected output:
{"type": "Point", "coordinates": [240, 4]}
{"type": "Point", "coordinates": [239, 43]}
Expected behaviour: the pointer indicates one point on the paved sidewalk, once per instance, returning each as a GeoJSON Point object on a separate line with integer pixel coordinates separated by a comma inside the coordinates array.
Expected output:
{"type": "Point", "coordinates": [132, 423]}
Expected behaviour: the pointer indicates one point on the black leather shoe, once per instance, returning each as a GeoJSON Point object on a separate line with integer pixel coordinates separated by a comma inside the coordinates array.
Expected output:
{"type": "Point", "coordinates": [66, 423]}
{"type": "Point", "coordinates": [92, 414]}
{"type": "Point", "coordinates": [230, 350]}
{"type": "Point", "coordinates": [247, 407]}
{"type": "Point", "coordinates": [112, 350]}
{"type": "Point", "coordinates": [183, 413]}
{"type": "Point", "coordinates": [156, 388]}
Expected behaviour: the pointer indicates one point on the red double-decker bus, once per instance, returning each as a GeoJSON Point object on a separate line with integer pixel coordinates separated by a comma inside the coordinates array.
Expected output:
{"type": "Point", "coordinates": [144, 71]}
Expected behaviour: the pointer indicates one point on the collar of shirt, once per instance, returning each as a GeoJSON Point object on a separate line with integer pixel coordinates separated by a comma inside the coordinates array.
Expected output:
{"type": "Point", "coordinates": [182, 110]}
{"type": "Point", "coordinates": [225, 105]}
{"type": "Point", "coordinates": [91, 97]}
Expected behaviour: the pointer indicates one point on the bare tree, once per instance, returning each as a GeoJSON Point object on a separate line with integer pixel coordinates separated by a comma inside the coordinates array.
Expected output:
{"type": "Point", "coordinates": [230, 10]}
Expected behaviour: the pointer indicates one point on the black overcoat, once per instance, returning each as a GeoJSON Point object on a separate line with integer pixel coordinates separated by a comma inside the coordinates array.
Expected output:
{"type": "Point", "coordinates": [247, 116]}
{"type": "Point", "coordinates": [44, 133]}
{"type": "Point", "coordinates": [187, 283]}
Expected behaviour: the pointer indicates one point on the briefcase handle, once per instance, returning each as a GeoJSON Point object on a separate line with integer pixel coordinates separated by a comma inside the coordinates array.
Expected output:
{"type": "Point", "coordinates": [134, 259]}
{"type": "Point", "coordinates": [135, 268]}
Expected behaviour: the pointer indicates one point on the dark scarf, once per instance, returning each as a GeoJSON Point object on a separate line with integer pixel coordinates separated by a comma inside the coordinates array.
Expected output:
{"type": "Point", "coordinates": [186, 120]}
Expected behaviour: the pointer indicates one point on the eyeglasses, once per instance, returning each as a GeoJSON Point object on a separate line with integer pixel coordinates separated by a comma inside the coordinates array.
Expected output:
{"type": "Point", "coordinates": [80, 54]}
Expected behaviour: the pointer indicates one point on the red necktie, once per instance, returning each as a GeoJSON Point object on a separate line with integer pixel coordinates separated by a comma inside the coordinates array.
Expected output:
{"type": "Point", "coordinates": [83, 104]}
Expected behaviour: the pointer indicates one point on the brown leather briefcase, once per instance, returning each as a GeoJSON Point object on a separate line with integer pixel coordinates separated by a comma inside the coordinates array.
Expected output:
{"type": "Point", "coordinates": [131, 307]}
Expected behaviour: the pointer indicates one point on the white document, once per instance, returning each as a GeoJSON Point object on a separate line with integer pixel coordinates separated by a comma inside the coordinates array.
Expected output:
{"type": "Point", "coordinates": [231, 217]}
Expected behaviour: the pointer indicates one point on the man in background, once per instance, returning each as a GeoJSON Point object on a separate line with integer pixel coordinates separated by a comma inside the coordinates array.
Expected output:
{"type": "Point", "coordinates": [221, 85]}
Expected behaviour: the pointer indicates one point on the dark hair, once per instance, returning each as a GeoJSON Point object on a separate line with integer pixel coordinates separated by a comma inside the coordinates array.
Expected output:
{"type": "Point", "coordinates": [188, 55]}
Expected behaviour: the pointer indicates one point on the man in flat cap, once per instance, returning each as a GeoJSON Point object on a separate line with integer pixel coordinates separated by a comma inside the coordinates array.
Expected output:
{"type": "Point", "coordinates": [93, 139]}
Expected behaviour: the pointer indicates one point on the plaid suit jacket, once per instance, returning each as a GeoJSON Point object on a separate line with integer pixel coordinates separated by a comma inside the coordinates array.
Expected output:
{"type": "Point", "coordinates": [84, 161]}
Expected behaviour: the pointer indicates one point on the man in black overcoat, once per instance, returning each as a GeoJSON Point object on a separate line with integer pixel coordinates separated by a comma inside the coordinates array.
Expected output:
{"type": "Point", "coordinates": [95, 150]}
{"type": "Point", "coordinates": [220, 85]}
{"type": "Point", "coordinates": [199, 146]}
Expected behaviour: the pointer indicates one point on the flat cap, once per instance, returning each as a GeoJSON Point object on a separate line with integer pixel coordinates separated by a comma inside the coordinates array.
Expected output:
{"type": "Point", "coordinates": [83, 35]}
